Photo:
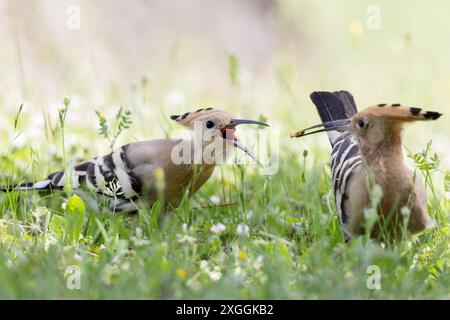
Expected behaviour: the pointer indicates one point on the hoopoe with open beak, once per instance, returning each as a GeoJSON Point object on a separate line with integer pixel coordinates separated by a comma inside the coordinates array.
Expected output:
{"type": "Point", "coordinates": [367, 150]}
{"type": "Point", "coordinates": [127, 176]}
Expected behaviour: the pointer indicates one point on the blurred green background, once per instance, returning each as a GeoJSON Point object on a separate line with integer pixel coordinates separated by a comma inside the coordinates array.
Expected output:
{"type": "Point", "coordinates": [161, 57]}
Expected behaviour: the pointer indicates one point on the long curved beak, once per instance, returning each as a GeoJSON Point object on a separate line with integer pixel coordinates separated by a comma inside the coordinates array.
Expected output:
{"type": "Point", "coordinates": [238, 144]}
{"type": "Point", "coordinates": [336, 125]}
{"type": "Point", "coordinates": [235, 122]}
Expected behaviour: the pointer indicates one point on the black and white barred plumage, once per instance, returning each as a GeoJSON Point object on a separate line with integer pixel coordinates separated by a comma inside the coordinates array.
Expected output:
{"type": "Point", "coordinates": [345, 157]}
{"type": "Point", "coordinates": [119, 177]}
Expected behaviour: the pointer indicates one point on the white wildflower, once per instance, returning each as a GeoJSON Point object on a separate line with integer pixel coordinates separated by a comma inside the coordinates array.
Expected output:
{"type": "Point", "coordinates": [297, 226]}
{"type": "Point", "coordinates": [258, 263]}
{"type": "Point", "coordinates": [138, 232]}
{"type": "Point", "coordinates": [242, 229]}
{"type": "Point", "coordinates": [215, 199]}
{"type": "Point", "coordinates": [39, 212]}
{"type": "Point", "coordinates": [204, 265]}
{"type": "Point", "coordinates": [215, 275]}
{"type": "Point", "coordinates": [125, 266]}
{"type": "Point", "coordinates": [218, 228]}
{"type": "Point", "coordinates": [187, 238]}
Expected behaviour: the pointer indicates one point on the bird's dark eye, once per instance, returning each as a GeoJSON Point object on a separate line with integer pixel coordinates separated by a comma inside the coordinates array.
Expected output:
{"type": "Point", "coordinates": [361, 124]}
{"type": "Point", "coordinates": [209, 124]}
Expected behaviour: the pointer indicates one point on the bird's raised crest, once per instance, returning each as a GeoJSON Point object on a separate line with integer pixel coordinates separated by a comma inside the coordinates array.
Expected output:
{"type": "Point", "coordinates": [399, 112]}
{"type": "Point", "coordinates": [187, 119]}
{"type": "Point", "coordinates": [395, 113]}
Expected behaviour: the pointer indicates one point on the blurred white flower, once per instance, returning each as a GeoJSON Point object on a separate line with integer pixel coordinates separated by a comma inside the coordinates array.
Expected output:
{"type": "Point", "coordinates": [125, 266]}
{"type": "Point", "coordinates": [187, 238]}
{"type": "Point", "coordinates": [40, 211]}
{"type": "Point", "coordinates": [297, 226]}
{"type": "Point", "coordinates": [138, 232]}
{"type": "Point", "coordinates": [447, 195]}
{"type": "Point", "coordinates": [204, 265]}
{"type": "Point", "coordinates": [215, 199]}
{"type": "Point", "coordinates": [242, 229]}
{"type": "Point", "coordinates": [218, 228]}
{"type": "Point", "coordinates": [258, 263]}
{"type": "Point", "coordinates": [215, 275]}
{"type": "Point", "coordinates": [50, 241]}
{"type": "Point", "coordinates": [250, 214]}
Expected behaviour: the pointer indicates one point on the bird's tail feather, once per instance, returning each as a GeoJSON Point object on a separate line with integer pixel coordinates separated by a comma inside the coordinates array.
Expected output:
{"type": "Point", "coordinates": [334, 106]}
{"type": "Point", "coordinates": [39, 185]}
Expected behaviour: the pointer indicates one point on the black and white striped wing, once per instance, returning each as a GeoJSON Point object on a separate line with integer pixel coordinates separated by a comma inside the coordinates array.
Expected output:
{"type": "Point", "coordinates": [112, 175]}
{"type": "Point", "coordinates": [345, 159]}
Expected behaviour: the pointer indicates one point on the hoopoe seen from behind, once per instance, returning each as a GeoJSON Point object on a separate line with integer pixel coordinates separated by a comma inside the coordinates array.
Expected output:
{"type": "Point", "coordinates": [128, 175]}
{"type": "Point", "coordinates": [367, 151]}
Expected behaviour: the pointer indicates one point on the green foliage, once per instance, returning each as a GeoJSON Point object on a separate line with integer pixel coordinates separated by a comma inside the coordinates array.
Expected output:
{"type": "Point", "coordinates": [17, 116]}
{"type": "Point", "coordinates": [122, 121]}
{"type": "Point", "coordinates": [424, 161]}
{"type": "Point", "coordinates": [58, 225]}
{"type": "Point", "coordinates": [233, 69]}
{"type": "Point", "coordinates": [74, 216]}
{"type": "Point", "coordinates": [62, 112]}
{"type": "Point", "coordinates": [285, 244]}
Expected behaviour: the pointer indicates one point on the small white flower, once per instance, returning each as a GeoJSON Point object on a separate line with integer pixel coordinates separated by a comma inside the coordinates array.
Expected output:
{"type": "Point", "coordinates": [187, 238]}
{"type": "Point", "coordinates": [35, 227]}
{"type": "Point", "coordinates": [250, 214]}
{"type": "Point", "coordinates": [215, 275]}
{"type": "Point", "coordinates": [218, 228]}
{"type": "Point", "coordinates": [447, 195]}
{"type": "Point", "coordinates": [64, 205]}
{"type": "Point", "coordinates": [242, 229]}
{"type": "Point", "coordinates": [237, 271]}
{"type": "Point", "coordinates": [49, 241]}
{"type": "Point", "coordinates": [204, 265]}
{"type": "Point", "coordinates": [215, 199]}
{"type": "Point", "coordinates": [39, 212]}
{"type": "Point", "coordinates": [125, 266]}
{"type": "Point", "coordinates": [297, 226]}
{"type": "Point", "coordinates": [138, 232]}
{"type": "Point", "coordinates": [258, 263]}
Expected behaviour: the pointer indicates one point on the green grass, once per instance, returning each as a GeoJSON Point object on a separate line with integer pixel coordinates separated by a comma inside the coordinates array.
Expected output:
{"type": "Point", "coordinates": [134, 257]}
